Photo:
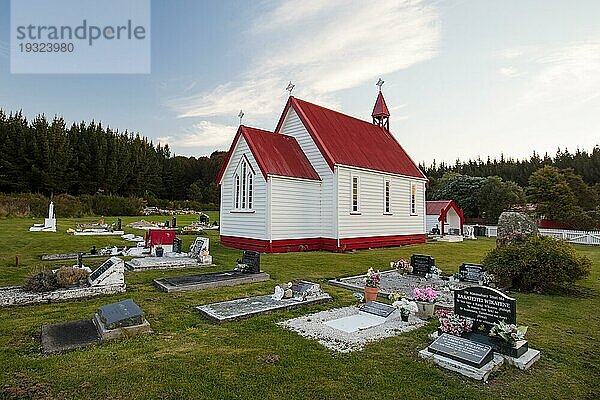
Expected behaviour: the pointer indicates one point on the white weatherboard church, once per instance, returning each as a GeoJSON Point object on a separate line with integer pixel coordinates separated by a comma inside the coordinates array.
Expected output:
{"type": "Point", "coordinates": [322, 181]}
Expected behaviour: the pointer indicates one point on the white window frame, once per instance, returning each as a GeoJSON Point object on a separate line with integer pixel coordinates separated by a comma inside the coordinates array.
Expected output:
{"type": "Point", "coordinates": [352, 210]}
{"type": "Point", "coordinates": [387, 196]}
{"type": "Point", "coordinates": [243, 186]}
{"type": "Point", "coordinates": [412, 198]}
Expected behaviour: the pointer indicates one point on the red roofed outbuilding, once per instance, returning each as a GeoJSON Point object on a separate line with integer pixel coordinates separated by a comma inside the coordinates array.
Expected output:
{"type": "Point", "coordinates": [322, 180]}
{"type": "Point", "coordinates": [446, 216]}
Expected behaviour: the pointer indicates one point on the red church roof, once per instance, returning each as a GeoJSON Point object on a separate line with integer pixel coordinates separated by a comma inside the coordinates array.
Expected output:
{"type": "Point", "coordinates": [380, 109]}
{"type": "Point", "coordinates": [345, 140]}
{"type": "Point", "coordinates": [275, 154]}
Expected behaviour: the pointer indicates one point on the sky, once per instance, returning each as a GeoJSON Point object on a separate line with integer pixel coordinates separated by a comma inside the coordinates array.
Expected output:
{"type": "Point", "coordinates": [463, 78]}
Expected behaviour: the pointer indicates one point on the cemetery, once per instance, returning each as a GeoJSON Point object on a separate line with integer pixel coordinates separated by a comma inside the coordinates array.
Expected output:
{"type": "Point", "coordinates": [158, 255]}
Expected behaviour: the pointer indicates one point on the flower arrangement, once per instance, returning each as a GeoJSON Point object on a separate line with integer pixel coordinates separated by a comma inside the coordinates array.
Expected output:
{"type": "Point", "coordinates": [406, 306]}
{"type": "Point", "coordinates": [373, 278]}
{"type": "Point", "coordinates": [453, 324]}
{"type": "Point", "coordinates": [510, 333]}
{"type": "Point", "coordinates": [427, 294]}
{"type": "Point", "coordinates": [359, 297]}
{"type": "Point", "coordinates": [396, 296]}
{"type": "Point", "coordinates": [402, 265]}
{"type": "Point", "coordinates": [436, 271]}
{"type": "Point", "coordinates": [458, 276]}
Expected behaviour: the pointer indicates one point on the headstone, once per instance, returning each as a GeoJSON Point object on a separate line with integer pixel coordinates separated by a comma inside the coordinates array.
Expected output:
{"type": "Point", "coordinates": [463, 350]}
{"type": "Point", "coordinates": [421, 264]}
{"type": "Point", "coordinates": [166, 223]}
{"type": "Point", "coordinates": [471, 272]}
{"type": "Point", "coordinates": [119, 223]}
{"type": "Point", "coordinates": [110, 272]}
{"type": "Point", "coordinates": [177, 245]}
{"type": "Point", "coordinates": [93, 250]}
{"type": "Point", "coordinates": [174, 222]}
{"type": "Point", "coordinates": [200, 245]}
{"type": "Point", "coordinates": [303, 288]}
{"type": "Point", "coordinates": [485, 306]}
{"type": "Point", "coordinates": [377, 308]}
{"type": "Point", "coordinates": [252, 261]}
{"type": "Point", "coordinates": [79, 260]}
{"type": "Point", "coordinates": [119, 315]}
{"type": "Point", "coordinates": [514, 227]}
{"type": "Point", "coordinates": [204, 219]}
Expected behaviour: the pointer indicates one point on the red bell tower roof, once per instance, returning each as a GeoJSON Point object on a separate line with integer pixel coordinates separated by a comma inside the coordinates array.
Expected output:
{"type": "Point", "coordinates": [380, 109]}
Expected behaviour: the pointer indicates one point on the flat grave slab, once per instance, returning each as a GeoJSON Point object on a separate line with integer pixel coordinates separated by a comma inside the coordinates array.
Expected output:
{"type": "Point", "coordinates": [481, 374]}
{"type": "Point", "coordinates": [342, 335]}
{"type": "Point", "coordinates": [463, 350]}
{"type": "Point", "coordinates": [57, 338]}
{"type": "Point", "coordinates": [232, 310]}
{"type": "Point", "coordinates": [208, 281]}
{"type": "Point", "coordinates": [526, 360]}
{"type": "Point", "coordinates": [146, 263]}
{"type": "Point", "coordinates": [394, 281]}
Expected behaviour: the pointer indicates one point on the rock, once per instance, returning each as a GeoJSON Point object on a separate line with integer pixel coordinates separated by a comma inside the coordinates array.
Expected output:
{"type": "Point", "coordinates": [514, 227]}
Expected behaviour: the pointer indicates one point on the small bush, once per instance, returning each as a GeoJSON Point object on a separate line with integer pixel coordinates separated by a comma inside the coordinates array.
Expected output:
{"type": "Point", "coordinates": [68, 276]}
{"type": "Point", "coordinates": [537, 264]}
{"type": "Point", "coordinates": [44, 281]}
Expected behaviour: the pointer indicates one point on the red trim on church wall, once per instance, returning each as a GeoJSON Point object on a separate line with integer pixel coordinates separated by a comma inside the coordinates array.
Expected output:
{"type": "Point", "coordinates": [314, 244]}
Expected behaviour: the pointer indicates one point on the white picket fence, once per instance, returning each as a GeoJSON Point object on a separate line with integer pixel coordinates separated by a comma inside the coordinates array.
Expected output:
{"type": "Point", "coordinates": [578, 237]}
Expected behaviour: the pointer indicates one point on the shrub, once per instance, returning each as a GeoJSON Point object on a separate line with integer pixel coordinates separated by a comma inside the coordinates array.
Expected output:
{"type": "Point", "coordinates": [68, 276]}
{"type": "Point", "coordinates": [537, 264]}
{"type": "Point", "coordinates": [44, 281]}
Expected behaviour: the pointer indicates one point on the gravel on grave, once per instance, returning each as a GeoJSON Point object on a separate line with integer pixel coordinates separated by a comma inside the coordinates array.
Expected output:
{"type": "Point", "coordinates": [313, 327]}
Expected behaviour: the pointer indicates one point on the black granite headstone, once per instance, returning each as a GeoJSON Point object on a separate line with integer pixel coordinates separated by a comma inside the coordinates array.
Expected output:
{"type": "Point", "coordinates": [166, 223]}
{"type": "Point", "coordinates": [485, 306]}
{"type": "Point", "coordinates": [252, 261]}
{"type": "Point", "coordinates": [177, 245]}
{"type": "Point", "coordinates": [122, 314]}
{"type": "Point", "coordinates": [463, 350]}
{"type": "Point", "coordinates": [79, 260]}
{"type": "Point", "coordinates": [421, 264]}
{"type": "Point", "coordinates": [377, 308]}
{"type": "Point", "coordinates": [471, 272]}
{"type": "Point", "coordinates": [100, 270]}
{"type": "Point", "coordinates": [302, 288]}
{"type": "Point", "coordinates": [204, 219]}
{"type": "Point", "coordinates": [174, 222]}
{"type": "Point", "coordinates": [119, 223]}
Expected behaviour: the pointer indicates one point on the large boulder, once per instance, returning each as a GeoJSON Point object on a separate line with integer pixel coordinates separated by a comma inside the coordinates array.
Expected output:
{"type": "Point", "coordinates": [513, 227]}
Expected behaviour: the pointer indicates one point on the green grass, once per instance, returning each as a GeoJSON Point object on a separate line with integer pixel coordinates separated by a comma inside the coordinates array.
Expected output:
{"type": "Point", "coordinates": [189, 357]}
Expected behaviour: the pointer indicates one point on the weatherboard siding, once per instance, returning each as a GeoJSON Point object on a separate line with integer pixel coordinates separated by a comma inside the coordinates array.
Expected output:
{"type": "Point", "coordinates": [243, 224]}
{"type": "Point", "coordinates": [293, 126]}
{"type": "Point", "coordinates": [372, 221]}
{"type": "Point", "coordinates": [295, 208]}
{"type": "Point", "coordinates": [432, 221]}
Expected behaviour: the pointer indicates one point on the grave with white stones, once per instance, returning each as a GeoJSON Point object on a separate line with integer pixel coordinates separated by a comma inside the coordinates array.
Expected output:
{"type": "Point", "coordinates": [198, 256]}
{"type": "Point", "coordinates": [110, 321]}
{"type": "Point", "coordinates": [307, 294]}
{"type": "Point", "coordinates": [247, 271]}
{"type": "Point", "coordinates": [476, 354]}
{"type": "Point", "coordinates": [49, 224]}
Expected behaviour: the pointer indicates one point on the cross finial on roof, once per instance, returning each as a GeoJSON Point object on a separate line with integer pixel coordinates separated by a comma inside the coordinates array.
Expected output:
{"type": "Point", "coordinates": [380, 83]}
{"type": "Point", "coordinates": [290, 87]}
{"type": "Point", "coordinates": [240, 116]}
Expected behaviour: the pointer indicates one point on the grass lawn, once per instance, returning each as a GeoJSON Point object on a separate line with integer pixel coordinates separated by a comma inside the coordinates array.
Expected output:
{"type": "Point", "coordinates": [189, 357]}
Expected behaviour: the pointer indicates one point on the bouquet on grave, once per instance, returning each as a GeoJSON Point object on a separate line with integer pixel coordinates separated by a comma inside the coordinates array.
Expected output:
{"type": "Point", "coordinates": [452, 323]}
{"type": "Point", "coordinates": [373, 279]}
{"type": "Point", "coordinates": [406, 306]}
{"type": "Point", "coordinates": [427, 294]}
{"type": "Point", "coordinates": [510, 333]}
{"type": "Point", "coordinates": [402, 265]}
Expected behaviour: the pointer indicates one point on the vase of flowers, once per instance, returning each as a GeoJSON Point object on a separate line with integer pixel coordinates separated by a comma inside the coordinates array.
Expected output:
{"type": "Point", "coordinates": [425, 299]}
{"type": "Point", "coordinates": [406, 308]}
{"type": "Point", "coordinates": [401, 265]}
{"type": "Point", "coordinates": [453, 324]}
{"type": "Point", "coordinates": [372, 282]}
{"type": "Point", "coordinates": [509, 339]}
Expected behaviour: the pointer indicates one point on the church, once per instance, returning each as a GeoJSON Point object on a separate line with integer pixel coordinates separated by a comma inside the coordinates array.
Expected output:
{"type": "Point", "coordinates": [322, 180]}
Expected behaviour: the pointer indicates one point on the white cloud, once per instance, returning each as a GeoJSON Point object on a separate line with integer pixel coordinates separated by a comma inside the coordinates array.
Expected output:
{"type": "Point", "coordinates": [203, 134]}
{"type": "Point", "coordinates": [323, 47]}
{"type": "Point", "coordinates": [509, 72]}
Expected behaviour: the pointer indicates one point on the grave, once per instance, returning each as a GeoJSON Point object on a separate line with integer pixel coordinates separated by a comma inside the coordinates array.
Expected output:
{"type": "Point", "coordinates": [110, 322]}
{"type": "Point", "coordinates": [200, 250]}
{"type": "Point", "coordinates": [471, 272]}
{"type": "Point", "coordinates": [394, 281]}
{"type": "Point", "coordinates": [250, 262]}
{"type": "Point", "coordinates": [476, 355]}
{"type": "Point", "coordinates": [197, 257]}
{"type": "Point", "coordinates": [108, 278]}
{"type": "Point", "coordinates": [421, 264]}
{"type": "Point", "coordinates": [349, 329]}
{"type": "Point", "coordinates": [369, 315]}
{"type": "Point", "coordinates": [250, 306]}
{"type": "Point", "coordinates": [49, 224]}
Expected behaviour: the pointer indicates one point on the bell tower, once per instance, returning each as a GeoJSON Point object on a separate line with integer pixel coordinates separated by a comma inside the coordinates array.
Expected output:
{"type": "Point", "coordinates": [381, 114]}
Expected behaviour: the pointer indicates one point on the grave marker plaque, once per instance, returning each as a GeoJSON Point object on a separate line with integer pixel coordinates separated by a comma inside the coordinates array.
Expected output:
{"type": "Point", "coordinates": [377, 308]}
{"type": "Point", "coordinates": [174, 222]}
{"type": "Point", "coordinates": [122, 314]}
{"type": "Point", "coordinates": [485, 306]}
{"type": "Point", "coordinates": [421, 264]}
{"type": "Point", "coordinates": [304, 288]}
{"type": "Point", "coordinates": [463, 350]}
{"type": "Point", "coordinates": [471, 272]}
{"type": "Point", "coordinates": [177, 245]}
{"type": "Point", "coordinates": [252, 260]}
{"type": "Point", "coordinates": [100, 270]}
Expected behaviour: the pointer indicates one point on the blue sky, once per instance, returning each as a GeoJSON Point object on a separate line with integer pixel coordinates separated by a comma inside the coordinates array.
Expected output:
{"type": "Point", "coordinates": [463, 78]}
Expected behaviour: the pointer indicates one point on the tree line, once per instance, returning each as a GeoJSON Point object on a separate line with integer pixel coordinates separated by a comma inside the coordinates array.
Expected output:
{"type": "Point", "coordinates": [47, 157]}
{"type": "Point", "coordinates": [564, 188]}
